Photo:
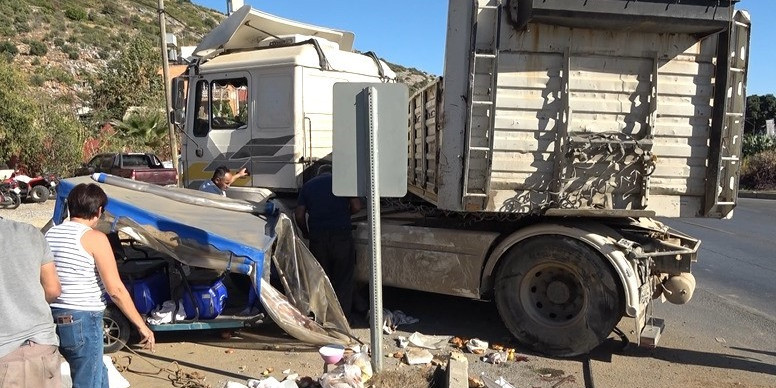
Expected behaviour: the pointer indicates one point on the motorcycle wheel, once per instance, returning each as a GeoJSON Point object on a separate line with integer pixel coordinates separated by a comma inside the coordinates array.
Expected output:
{"type": "Point", "coordinates": [16, 200]}
{"type": "Point", "coordinates": [39, 194]}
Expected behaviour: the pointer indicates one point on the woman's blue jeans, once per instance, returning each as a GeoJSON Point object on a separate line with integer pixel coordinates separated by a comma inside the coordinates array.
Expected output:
{"type": "Point", "coordinates": [80, 342]}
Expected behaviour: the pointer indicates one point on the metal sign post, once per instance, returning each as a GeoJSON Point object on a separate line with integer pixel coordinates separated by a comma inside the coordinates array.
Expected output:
{"type": "Point", "coordinates": [364, 160]}
{"type": "Point", "coordinates": [376, 283]}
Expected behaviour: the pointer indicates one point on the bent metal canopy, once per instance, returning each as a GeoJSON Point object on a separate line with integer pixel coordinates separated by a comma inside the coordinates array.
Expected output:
{"type": "Point", "coordinates": [209, 231]}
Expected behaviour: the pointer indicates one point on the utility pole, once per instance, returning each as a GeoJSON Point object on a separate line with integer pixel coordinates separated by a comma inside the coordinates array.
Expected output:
{"type": "Point", "coordinates": [167, 97]}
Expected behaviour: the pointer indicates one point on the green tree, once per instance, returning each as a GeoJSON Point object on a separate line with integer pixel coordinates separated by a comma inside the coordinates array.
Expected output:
{"type": "Point", "coordinates": [43, 137]}
{"type": "Point", "coordinates": [146, 128]}
{"type": "Point", "coordinates": [131, 79]}
{"type": "Point", "coordinates": [758, 110]}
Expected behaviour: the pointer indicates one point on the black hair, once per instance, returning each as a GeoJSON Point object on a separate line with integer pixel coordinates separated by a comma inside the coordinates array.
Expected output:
{"type": "Point", "coordinates": [219, 173]}
{"type": "Point", "coordinates": [85, 201]}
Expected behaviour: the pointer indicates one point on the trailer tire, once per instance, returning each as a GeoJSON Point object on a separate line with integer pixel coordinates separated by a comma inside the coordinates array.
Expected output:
{"type": "Point", "coordinates": [557, 295]}
{"type": "Point", "coordinates": [116, 330]}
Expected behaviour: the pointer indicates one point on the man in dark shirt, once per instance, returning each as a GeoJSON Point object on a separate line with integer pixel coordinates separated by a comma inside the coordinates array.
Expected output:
{"type": "Point", "coordinates": [325, 219]}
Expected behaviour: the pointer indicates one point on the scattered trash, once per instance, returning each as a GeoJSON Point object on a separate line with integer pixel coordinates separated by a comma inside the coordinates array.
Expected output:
{"type": "Point", "coordinates": [291, 377]}
{"type": "Point", "coordinates": [497, 347]}
{"type": "Point", "coordinates": [288, 384]}
{"type": "Point", "coordinates": [331, 354]}
{"type": "Point", "coordinates": [418, 356]}
{"type": "Point", "coordinates": [476, 346]}
{"type": "Point", "coordinates": [229, 351]}
{"type": "Point", "coordinates": [306, 382]}
{"type": "Point", "coordinates": [500, 382]}
{"type": "Point", "coordinates": [494, 358]}
{"type": "Point", "coordinates": [721, 340]}
{"type": "Point", "coordinates": [402, 342]}
{"type": "Point", "coordinates": [458, 342]}
{"type": "Point", "coordinates": [287, 371]}
{"type": "Point", "coordinates": [343, 376]}
{"type": "Point", "coordinates": [269, 382]}
{"type": "Point", "coordinates": [398, 354]}
{"type": "Point", "coordinates": [427, 341]}
{"type": "Point", "coordinates": [362, 361]}
{"type": "Point", "coordinates": [392, 320]}
{"type": "Point", "coordinates": [241, 368]}
{"type": "Point", "coordinates": [267, 371]}
{"type": "Point", "coordinates": [475, 382]}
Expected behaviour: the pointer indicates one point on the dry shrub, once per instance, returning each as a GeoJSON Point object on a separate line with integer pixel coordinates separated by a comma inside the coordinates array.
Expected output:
{"type": "Point", "coordinates": [403, 378]}
{"type": "Point", "coordinates": [759, 171]}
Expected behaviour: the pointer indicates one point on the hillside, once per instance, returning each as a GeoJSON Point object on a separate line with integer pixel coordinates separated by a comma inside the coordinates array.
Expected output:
{"type": "Point", "coordinates": [62, 44]}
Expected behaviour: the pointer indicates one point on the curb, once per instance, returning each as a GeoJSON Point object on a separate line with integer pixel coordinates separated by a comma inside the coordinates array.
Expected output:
{"type": "Point", "coordinates": [757, 194]}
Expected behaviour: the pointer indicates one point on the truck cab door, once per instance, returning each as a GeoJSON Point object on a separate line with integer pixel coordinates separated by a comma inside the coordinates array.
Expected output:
{"type": "Point", "coordinates": [219, 127]}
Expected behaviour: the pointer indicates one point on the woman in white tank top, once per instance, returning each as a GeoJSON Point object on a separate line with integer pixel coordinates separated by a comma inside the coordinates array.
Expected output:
{"type": "Point", "coordinates": [87, 270]}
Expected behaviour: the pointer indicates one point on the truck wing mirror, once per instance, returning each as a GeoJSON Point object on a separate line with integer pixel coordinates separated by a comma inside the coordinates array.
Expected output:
{"type": "Point", "coordinates": [178, 114]}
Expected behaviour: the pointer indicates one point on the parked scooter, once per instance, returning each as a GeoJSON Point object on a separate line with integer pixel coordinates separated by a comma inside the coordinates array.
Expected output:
{"type": "Point", "coordinates": [10, 194]}
{"type": "Point", "coordinates": [37, 189]}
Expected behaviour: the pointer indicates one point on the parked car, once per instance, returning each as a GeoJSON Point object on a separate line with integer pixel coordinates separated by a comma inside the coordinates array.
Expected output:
{"type": "Point", "coordinates": [137, 166]}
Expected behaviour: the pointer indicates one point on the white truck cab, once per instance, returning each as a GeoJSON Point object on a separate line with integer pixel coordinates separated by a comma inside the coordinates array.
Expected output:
{"type": "Point", "coordinates": [260, 91]}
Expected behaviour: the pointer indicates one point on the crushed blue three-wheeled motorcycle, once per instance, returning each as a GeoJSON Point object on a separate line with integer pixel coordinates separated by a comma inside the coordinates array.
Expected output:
{"type": "Point", "coordinates": [191, 259]}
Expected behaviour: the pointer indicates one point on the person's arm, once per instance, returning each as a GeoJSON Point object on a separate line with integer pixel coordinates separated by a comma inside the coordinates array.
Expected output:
{"type": "Point", "coordinates": [50, 281]}
{"type": "Point", "coordinates": [301, 220]}
{"type": "Point", "coordinates": [97, 244]}
{"type": "Point", "coordinates": [355, 205]}
{"type": "Point", "coordinates": [243, 172]}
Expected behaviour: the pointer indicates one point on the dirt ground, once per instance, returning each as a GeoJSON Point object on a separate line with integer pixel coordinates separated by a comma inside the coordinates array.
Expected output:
{"type": "Point", "coordinates": [682, 360]}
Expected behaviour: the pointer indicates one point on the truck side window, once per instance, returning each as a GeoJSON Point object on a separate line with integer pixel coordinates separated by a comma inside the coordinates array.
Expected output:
{"type": "Point", "coordinates": [202, 107]}
{"type": "Point", "coordinates": [229, 102]}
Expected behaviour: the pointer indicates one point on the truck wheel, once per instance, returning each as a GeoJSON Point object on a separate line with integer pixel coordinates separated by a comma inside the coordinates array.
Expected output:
{"type": "Point", "coordinates": [116, 330]}
{"type": "Point", "coordinates": [39, 194]}
{"type": "Point", "coordinates": [557, 296]}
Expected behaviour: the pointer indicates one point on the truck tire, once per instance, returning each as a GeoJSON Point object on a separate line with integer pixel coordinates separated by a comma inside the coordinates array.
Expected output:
{"type": "Point", "coordinates": [557, 296]}
{"type": "Point", "coordinates": [116, 330]}
{"type": "Point", "coordinates": [39, 194]}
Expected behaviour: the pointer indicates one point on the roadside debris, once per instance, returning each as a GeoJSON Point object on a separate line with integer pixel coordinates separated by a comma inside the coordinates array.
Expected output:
{"type": "Point", "coordinates": [476, 346]}
{"type": "Point", "coordinates": [494, 358]}
{"type": "Point", "coordinates": [392, 320]}
{"type": "Point", "coordinates": [402, 342]}
{"type": "Point", "coordinates": [426, 341]}
{"type": "Point", "coordinates": [418, 356]}
{"type": "Point", "coordinates": [500, 382]}
{"type": "Point", "coordinates": [475, 382]}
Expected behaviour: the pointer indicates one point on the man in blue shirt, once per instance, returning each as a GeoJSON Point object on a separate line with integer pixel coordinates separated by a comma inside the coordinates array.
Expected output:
{"type": "Point", "coordinates": [221, 180]}
{"type": "Point", "coordinates": [325, 219]}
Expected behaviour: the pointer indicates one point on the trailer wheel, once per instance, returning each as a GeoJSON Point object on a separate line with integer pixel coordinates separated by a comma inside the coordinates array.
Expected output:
{"type": "Point", "coordinates": [557, 296]}
{"type": "Point", "coordinates": [116, 330]}
{"type": "Point", "coordinates": [39, 194]}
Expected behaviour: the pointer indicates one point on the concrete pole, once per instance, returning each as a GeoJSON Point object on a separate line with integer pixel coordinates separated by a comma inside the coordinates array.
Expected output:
{"type": "Point", "coordinates": [167, 97]}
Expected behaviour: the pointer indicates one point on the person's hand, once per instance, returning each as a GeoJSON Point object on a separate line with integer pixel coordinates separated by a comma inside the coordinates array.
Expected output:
{"type": "Point", "coordinates": [147, 338]}
{"type": "Point", "coordinates": [243, 172]}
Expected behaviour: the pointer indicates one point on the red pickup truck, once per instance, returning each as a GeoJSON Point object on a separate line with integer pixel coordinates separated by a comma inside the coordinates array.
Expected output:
{"type": "Point", "coordinates": [136, 166]}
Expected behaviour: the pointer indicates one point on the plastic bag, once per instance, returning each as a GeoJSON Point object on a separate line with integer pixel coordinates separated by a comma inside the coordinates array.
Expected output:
{"type": "Point", "coordinates": [362, 361]}
{"type": "Point", "coordinates": [344, 376]}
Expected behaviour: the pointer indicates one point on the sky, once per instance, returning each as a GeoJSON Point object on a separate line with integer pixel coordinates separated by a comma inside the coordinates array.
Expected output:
{"type": "Point", "coordinates": [411, 33]}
